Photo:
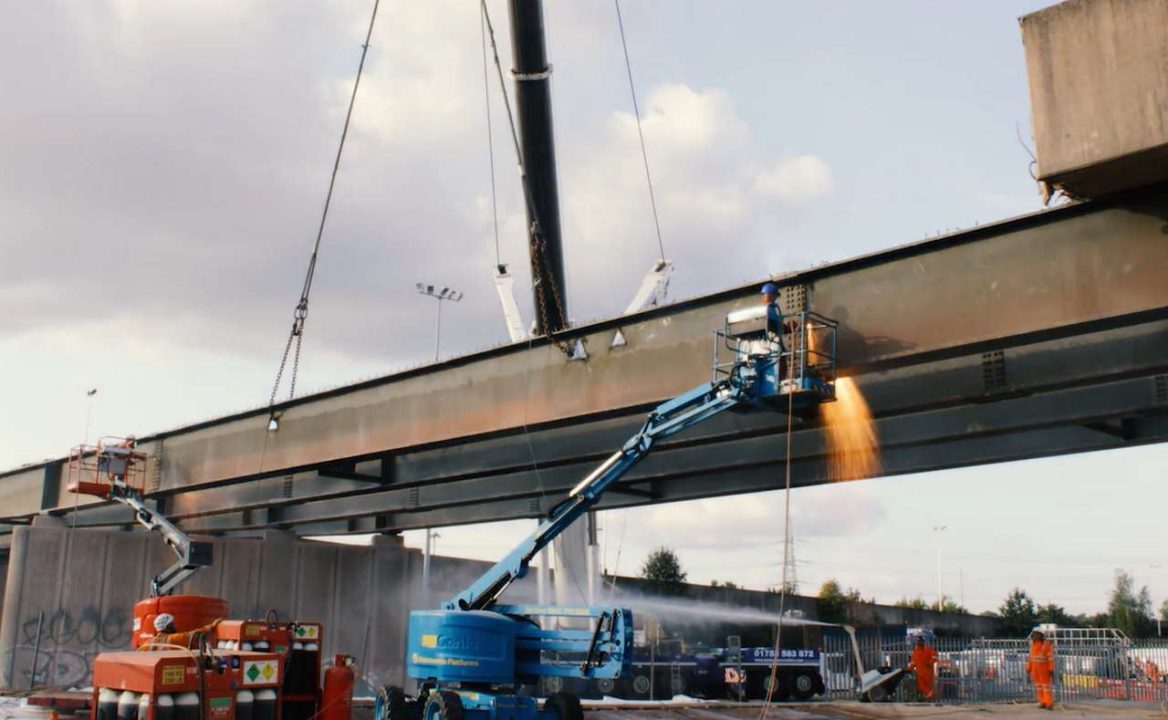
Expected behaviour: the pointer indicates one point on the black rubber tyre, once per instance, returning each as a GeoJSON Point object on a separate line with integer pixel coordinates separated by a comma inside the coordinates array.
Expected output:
{"type": "Point", "coordinates": [803, 685]}
{"type": "Point", "coordinates": [392, 704]}
{"type": "Point", "coordinates": [444, 705]}
{"type": "Point", "coordinates": [605, 686]}
{"type": "Point", "coordinates": [879, 694]}
{"type": "Point", "coordinates": [641, 686]}
{"type": "Point", "coordinates": [782, 687]}
{"type": "Point", "coordinates": [566, 705]}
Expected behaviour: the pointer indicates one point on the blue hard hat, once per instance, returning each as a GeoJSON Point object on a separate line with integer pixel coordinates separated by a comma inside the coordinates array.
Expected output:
{"type": "Point", "coordinates": [770, 289]}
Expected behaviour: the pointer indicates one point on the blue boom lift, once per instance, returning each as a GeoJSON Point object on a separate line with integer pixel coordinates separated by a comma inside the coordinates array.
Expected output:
{"type": "Point", "coordinates": [472, 657]}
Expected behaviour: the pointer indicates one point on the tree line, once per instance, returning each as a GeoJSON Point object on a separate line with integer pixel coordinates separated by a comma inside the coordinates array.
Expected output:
{"type": "Point", "coordinates": [1128, 609]}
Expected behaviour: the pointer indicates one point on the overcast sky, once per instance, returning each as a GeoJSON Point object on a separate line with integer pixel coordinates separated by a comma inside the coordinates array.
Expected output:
{"type": "Point", "coordinates": [163, 166]}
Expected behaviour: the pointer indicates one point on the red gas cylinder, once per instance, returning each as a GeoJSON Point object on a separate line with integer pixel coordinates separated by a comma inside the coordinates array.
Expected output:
{"type": "Point", "coordinates": [337, 700]}
{"type": "Point", "coordinates": [190, 612]}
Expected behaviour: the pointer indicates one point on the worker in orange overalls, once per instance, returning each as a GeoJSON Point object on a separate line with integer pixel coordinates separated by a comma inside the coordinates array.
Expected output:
{"type": "Point", "coordinates": [1152, 671]}
{"type": "Point", "coordinates": [168, 635]}
{"type": "Point", "coordinates": [924, 664]}
{"type": "Point", "coordinates": [1040, 665]}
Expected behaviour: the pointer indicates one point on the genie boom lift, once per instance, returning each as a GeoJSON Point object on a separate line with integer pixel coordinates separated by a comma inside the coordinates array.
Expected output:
{"type": "Point", "coordinates": [471, 658]}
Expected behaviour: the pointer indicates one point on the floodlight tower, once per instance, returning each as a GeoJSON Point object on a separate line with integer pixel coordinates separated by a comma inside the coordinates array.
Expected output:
{"type": "Point", "coordinates": [439, 294]}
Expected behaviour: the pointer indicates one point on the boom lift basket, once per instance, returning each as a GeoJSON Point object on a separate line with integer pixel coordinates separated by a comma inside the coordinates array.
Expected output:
{"type": "Point", "coordinates": [802, 356]}
{"type": "Point", "coordinates": [95, 469]}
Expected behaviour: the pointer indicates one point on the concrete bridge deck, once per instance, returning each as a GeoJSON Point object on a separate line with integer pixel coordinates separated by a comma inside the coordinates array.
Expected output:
{"type": "Point", "coordinates": [1040, 335]}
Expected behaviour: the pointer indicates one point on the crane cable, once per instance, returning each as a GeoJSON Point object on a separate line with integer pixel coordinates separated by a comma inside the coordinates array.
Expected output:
{"type": "Point", "coordinates": [300, 314]}
{"type": "Point", "coordinates": [774, 674]}
{"type": "Point", "coordinates": [490, 137]}
{"type": "Point", "coordinates": [640, 135]}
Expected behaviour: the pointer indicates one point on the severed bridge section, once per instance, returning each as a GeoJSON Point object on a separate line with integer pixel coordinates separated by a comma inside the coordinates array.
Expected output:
{"type": "Point", "coordinates": [1041, 335]}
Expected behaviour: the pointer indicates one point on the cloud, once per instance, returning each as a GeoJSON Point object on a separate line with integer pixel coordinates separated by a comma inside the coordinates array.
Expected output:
{"type": "Point", "coordinates": [714, 196]}
{"type": "Point", "coordinates": [174, 174]}
{"type": "Point", "coordinates": [168, 164]}
{"type": "Point", "coordinates": [796, 179]}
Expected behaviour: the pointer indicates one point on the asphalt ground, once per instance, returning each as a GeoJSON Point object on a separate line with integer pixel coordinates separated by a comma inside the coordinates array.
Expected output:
{"type": "Point", "coordinates": [1103, 710]}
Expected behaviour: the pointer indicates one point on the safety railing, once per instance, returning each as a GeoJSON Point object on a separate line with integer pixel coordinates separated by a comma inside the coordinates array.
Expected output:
{"type": "Point", "coordinates": [93, 469]}
{"type": "Point", "coordinates": [805, 349]}
{"type": "Point", "coordinates": [995, 670]}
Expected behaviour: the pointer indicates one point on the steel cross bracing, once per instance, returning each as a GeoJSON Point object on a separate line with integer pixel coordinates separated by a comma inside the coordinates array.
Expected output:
{"type": "Point", "coordinates": [1043, 335]}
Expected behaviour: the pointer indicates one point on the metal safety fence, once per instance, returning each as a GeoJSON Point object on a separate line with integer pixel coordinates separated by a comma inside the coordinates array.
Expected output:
{"type": "Point", "coordinates": [1089, 665]}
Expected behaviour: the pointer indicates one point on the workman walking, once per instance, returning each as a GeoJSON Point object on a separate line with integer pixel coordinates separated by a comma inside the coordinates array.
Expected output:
{"type": "Point", "coordinates": [168, 634]}
{"type": "Point", "coordinates": [924, 664]}
{"type": "Point", "coordinates": [1040, 665]}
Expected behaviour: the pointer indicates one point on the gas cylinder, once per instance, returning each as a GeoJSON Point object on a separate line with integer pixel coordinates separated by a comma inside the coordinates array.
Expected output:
{"type": "Point", "coordinates": [337, 700]}
{"type": "Point", "coordinates": [144, 706]}
{"type": "Point", "coordinates": [186, 706]}
{"type": "Point", "coordinates": [244, 704]}
{"type": "Point", "coordinates": [128, 706]}
{"type": "Point", "coordinates": [190, 612]}
{"type": "Point", "coordinates": [107, 704]}
{"type": "Point", "coordinates": [264, 705]}
{"type": "Point", "coordinates": [164, 707]}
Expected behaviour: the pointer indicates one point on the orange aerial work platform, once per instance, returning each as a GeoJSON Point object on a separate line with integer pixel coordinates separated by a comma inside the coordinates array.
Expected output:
{"type": "Point", "coordinates": [96, 469]}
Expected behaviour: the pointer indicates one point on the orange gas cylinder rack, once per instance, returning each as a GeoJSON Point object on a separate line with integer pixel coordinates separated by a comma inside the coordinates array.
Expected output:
{"type": "Point", "coordinates": [300, 645]}
{"type": "Point", "coordinates": [190, 612]}
{"type": "Point", "coordinates": [181, 685]}
{"type": "Point", "coordinates": [337, 701]}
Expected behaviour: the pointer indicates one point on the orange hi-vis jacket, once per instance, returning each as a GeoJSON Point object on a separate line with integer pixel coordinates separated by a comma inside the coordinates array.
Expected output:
{"type": "Point", "coordinates": [923, 660]}
{"type": "Point", "coordinates": [189, 639]}
{"type": "Point", "coordinates": [1041, 661]}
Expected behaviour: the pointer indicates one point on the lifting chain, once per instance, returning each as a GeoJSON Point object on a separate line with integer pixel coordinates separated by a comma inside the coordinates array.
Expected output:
{"type": "Point", "coordinates": [542, 267]}
{"type": "Point", "coordinates": [300, 314]}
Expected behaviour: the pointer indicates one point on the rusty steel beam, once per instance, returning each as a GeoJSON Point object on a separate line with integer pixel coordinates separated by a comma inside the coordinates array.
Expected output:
{"type": "Point", "coordinates": [1063, 276]}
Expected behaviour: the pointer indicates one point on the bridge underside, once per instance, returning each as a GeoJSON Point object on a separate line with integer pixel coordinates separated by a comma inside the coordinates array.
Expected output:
{"type": "Point", "coordinates": [1038, 336]}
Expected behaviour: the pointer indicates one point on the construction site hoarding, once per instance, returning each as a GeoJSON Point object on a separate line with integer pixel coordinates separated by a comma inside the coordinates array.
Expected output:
{"type": "Point", "coordinates": [1098, 72]}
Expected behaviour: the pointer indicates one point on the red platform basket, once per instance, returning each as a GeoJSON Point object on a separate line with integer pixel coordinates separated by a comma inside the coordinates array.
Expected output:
{"type": "Point", "coordinates": [95, 469]}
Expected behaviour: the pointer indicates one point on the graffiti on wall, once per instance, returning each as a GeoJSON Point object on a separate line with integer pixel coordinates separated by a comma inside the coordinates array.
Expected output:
{"type": "Point", "coordinates": [62, 655]}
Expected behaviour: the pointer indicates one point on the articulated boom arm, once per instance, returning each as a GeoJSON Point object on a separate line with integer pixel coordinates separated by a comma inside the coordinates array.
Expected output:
{"type": "Point", "coordinates": [667, 419]}
{"type": "Point", "coordinates": [114, 472]}
{"type": "Point", "coordinates": [192, 554]}
{"type": "Point", "coordinates": [764, 373]}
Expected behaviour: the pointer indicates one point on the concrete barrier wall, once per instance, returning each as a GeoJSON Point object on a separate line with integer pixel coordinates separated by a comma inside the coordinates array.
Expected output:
{"type": "Point", "coordinates": [80, 586]}
{"type": "Point", "coordinates": [68, 595]}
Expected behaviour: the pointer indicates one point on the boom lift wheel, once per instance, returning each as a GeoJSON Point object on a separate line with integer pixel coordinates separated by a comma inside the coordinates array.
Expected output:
{"type": "Point", "coordinates": [803, 685]}
{"type": "Point", "coordinates": [391, 704]}
{"type": "Point", "coordinates": [878, 694]}
{"type": "Point", "coordinates": [566, 705]}
{"type": "Point", "coordinates": [444, 705]}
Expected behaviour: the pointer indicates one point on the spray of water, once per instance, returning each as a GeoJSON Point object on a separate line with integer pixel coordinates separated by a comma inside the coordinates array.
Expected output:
{"type": "Point", "coordinates": [684, 612]}
{"type": "Point", "coordinates": [853, 450]}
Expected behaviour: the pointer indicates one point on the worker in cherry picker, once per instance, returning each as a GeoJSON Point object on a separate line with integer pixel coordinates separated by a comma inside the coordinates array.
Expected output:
{"type": "Point", "coordinates": [777, 325]}
{"type": "Point", "coordinates": [169, 635]}
{"type": "Point", "coordinates": [924, 664]}
{"type": "Point", "coordinates": [774, 324]}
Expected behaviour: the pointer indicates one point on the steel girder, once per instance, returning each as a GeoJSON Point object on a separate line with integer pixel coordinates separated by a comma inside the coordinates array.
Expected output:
{"type": "Point", "coordinates": [1065, 299]}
